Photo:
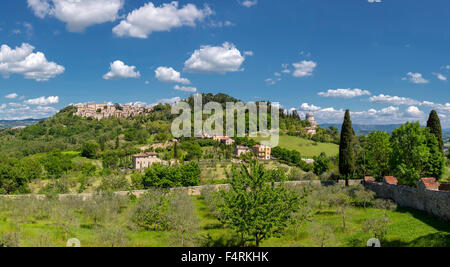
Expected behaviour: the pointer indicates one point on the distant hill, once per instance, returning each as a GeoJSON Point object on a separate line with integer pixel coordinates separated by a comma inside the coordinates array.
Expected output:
{"type": "Point", "coordinates": [6, 124]}
{"type": "Point", "coordinates": [361, 129]}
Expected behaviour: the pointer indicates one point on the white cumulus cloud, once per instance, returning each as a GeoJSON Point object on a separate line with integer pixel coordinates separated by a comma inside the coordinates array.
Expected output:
{"type": "Point", "coordinates": [43, 101]}
{"type": "Point", "coordinates": [416, 78]}
{"type": "Point", "coordinates": [414, 111]}
{"type": "Point", "coordinates": [78, 14]}
{"type": "Point", "coordinates": [142, 22]}
{"type": "Point", "coordinates": [307, 107]}
{"type": "Point", "coordinates": [215, 59]}
{"type": "Point", "coordinates": [344, 93]}
{"type": "Point", "coordinates": [440, 76]}
{"type": "Point", "coordinates": [169, 75]}
{"type": "Point", "coordinates": [22, 60]}
{"type": "Point", "coordinates": [185, 89]}
{"type": "Point", "coordinates": [393, 100]}
{"type": "Point", "coordinates": [304, 68]}
{"type": "Point", "coordinates": [119, 70]}
{"type": "Point", "coordinates": [249, 3]}
{"type": "Point", "coordinates": [11, 96]}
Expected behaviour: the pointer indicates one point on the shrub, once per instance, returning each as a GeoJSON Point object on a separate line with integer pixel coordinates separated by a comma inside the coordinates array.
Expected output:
{"type": "Point", "coordinates": [112, 183]}
{"type": "Point", "coordinates": [90, 150]}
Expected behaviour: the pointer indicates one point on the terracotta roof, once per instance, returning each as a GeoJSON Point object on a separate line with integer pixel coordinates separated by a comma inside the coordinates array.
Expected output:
{"type": "Point", "coordinates": [369, 179]}
{"type": "Point", "coordinates": [430, 182]}
{"type": "Point", "coordinates": [391, 180]}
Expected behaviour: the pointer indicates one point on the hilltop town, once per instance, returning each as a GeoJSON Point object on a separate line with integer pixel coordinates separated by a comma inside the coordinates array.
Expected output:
{"type": "Point", "coordinates": [103, 111]}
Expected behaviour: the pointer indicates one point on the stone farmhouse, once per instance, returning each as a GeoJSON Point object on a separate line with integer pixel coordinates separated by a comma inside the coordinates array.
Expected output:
{"type": "Point", "coordinates": [103, 111]}
{"type": "Point", "coordinates": [224, 140]}
{"type": "Point", "coordinates": [145, 160]}
{"type": "Point", "coordinates": [241, 150]}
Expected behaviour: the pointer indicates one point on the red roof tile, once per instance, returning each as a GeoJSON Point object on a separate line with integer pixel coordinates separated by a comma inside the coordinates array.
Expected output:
{"type": "Point", "coordinates": [430, 182]}
{"type": "Point", "coordinates": [390, 180]}
{"type": "Point", "coordinates": [369, 179]}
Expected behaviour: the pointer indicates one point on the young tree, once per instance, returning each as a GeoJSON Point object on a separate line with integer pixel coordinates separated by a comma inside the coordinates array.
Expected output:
{"type": "Point", "coordinates": [434, 124]}
{"type": "Point", "coordinates": [346, 156]}
{"type": "Point", "coordinates": [322, 233]}
{"type": "Point", "coordinates": [378, 152]}
{"type": "Point", "coordinates": [184, 221]}
{"type": "Point", "coordinates": [378, 227]}
{"type": "Point", "coordinates": [254, 208]}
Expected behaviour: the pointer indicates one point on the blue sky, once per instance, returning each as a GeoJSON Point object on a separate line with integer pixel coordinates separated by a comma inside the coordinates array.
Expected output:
{"type": "Point", "coordinates": [387, 61]}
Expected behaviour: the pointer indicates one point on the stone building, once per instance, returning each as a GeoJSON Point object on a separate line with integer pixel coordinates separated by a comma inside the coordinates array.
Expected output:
{"type": "Point", "coordinates": [241, 150]}
{"type": "Point", "coordinates": [224, 140]}
{"type": "Point", "coordinates": [102, 110]}
{"type": "Point", "coordinates": [263, 152]}
{"type": "Point", "coordinates": [145, 160]}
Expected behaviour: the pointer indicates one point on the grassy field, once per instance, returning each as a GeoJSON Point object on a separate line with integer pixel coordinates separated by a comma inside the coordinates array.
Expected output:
{"type": "Point", "coordinates": [306, 147]}
{"type": "Point", "coordinates": [408, 228]}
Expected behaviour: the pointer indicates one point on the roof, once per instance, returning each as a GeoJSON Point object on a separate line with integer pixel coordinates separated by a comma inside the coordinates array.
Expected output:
{"type": "Point", "coordinates": [369, 179]}
{"type": "Point", "coordinates": [390, 180]}
{"type": "Point", "coordinates": [242, 147]}
{"type": "Point", "coordinates": [430, 182]}
{"type": "Point", "coordinates": [145, 155]}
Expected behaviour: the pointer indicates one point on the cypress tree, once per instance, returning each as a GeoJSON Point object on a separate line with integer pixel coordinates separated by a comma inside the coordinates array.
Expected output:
{"type": "Point", "coordinates": [346, 157]}
{"type": "Point", "coordinates": [434, 124]}
{"type": "Point", "coordinates": [175, 150]}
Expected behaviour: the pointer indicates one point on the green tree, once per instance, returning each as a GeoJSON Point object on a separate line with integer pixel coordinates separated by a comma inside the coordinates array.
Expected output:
{"type": "Point", "coordinates": [175, 150]}
{"type": "Point", "coordinates": [89, 150]}
{"type": "Point", "coordinates": [193, 149]}
{"type": "Point", "coordinates": [415, 154]}
{"type": "Point", "coordinates": [110, 160]}
{"type": "Point", "coordinates": [346, 156]}
{"type": "Point", "coordinates": [321, 164]}
{"type": "Point", "coordinates": [434, 124]}
{"type": "Point", "coordinates": [254, 208]}
{"type": "Point", "coordinates": [378, 151]}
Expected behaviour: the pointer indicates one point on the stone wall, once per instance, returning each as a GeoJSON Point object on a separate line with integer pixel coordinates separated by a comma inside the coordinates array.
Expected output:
{"type": "Point", "coordinates": [193, 191]}
{"type": "Point", "coordinates": [436, 203]}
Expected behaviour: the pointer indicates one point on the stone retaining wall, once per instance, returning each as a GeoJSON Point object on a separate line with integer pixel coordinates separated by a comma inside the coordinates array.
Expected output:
{"type": "Point", "coordinates": [193, 191]}
{"type": "Point", "coordinates": [436, 203]}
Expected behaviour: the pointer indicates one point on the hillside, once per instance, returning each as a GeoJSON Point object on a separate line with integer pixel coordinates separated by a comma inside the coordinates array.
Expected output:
{"type": "Point", "coordinates": [306, 147]}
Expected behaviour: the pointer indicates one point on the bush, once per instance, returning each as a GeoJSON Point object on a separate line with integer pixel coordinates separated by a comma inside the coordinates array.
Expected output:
{"type": "Point", "coordinates": [385, 204]}
{"type": "Point", "coordinates": [61, 186]}
{"type": "Point", "coordinates": [90, 150]}
{"type": "Point", "coordinates": [168, 176]}
{"type": "Point", "coordinates": [112, 183]}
